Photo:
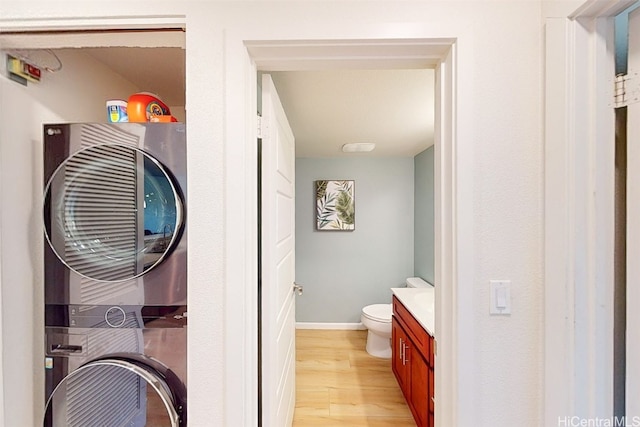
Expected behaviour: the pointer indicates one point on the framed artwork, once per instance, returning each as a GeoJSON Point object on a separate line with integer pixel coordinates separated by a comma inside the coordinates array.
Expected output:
{"type": "Point", "coordinates": [335, 205]}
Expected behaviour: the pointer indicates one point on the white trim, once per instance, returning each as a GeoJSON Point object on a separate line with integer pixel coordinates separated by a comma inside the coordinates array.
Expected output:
{"type": "Point", "coordinates": [241, 160]}
{"type": "Point", "coordinates": [314, 55]}
{"type": "Point", "coordinates": [156, 38]}
{"type": "Point", "coordinates": [579, 215]}
{"type": "Point", "coordinates": [446, 260]}
{"type": "Point", "coordinates": [601, 8]}
{"type": "Point", "coordinates": [241, 228]}
{"type": "Point", "coordinates": [94, 23]}
{"type": "Point", "coordinates": [559, 324]}
{"type": "Point", "coordinates": [331, 326]}
{"type": "Point", "coordinates": [601, 168]}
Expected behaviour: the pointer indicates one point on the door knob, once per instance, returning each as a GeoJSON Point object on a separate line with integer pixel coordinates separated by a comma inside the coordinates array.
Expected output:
{"type": "Point", "coordinates": [297, 288]}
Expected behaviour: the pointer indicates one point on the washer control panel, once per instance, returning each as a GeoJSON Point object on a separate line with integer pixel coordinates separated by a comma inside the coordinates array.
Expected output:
{"type": "Point", "coordinates": [115, 317]}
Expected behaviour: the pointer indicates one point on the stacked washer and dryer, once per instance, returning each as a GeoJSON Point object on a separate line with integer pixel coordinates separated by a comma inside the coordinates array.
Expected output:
{"type": "Point", "coordinates": [115, 274]}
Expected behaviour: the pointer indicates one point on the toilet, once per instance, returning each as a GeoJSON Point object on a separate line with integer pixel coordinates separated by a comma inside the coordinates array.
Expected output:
{"type": "Point", "coordinates": [377, 319]}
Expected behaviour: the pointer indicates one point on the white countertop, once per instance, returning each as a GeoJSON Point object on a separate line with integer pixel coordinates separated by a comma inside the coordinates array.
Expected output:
{"type": "Point", "coordinates": [420, 303]}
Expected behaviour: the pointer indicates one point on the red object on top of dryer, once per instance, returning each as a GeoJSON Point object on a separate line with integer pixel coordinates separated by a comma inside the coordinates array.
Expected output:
{"type": "Point", "coordinates": [142, 106]}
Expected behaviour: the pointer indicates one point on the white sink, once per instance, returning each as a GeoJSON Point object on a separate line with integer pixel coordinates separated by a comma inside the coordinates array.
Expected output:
{"type": "Point", "coordinates": [424, 300]}
{"type": "Point", "coordinates": [420, 303]}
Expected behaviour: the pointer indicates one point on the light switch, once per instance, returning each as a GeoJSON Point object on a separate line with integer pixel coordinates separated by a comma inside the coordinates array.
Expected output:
{"type": "Point", "coordinates": [500, 296]}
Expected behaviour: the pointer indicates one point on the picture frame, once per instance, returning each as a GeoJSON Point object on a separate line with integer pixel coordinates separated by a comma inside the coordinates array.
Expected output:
{"type": "Point", "coordinates": [335, 205]}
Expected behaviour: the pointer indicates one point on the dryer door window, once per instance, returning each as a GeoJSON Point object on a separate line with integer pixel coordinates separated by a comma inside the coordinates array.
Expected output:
{"type": "Point", "coordinates": [112, 212]}
{"type": "Point", "coordinates": [116, 393]}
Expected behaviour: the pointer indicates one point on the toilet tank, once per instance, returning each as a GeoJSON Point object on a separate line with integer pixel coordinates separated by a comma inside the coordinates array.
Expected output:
{"type": "Point", "coordinates": [417, 282]}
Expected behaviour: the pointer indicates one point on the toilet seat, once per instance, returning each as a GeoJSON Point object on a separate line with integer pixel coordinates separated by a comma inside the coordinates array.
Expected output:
{"type": "Point", "coordinates": [378, 312]}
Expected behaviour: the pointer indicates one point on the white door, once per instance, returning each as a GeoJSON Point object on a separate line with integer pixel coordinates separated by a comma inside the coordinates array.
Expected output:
{"type": "Point", "coordinates": [633, 225]}
{"type": "Point", "coordinates": [278, 261]}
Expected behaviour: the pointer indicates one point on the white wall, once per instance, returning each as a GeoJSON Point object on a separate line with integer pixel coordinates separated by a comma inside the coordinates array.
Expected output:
{"type": "Point", "coordinates": [499, 92]}
{"type": "Point", "coordinates": [77, 93]}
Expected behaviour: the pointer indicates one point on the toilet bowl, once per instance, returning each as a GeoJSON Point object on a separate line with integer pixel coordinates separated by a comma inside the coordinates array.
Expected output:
{"type": "Point", "coordinates": [377, 319]}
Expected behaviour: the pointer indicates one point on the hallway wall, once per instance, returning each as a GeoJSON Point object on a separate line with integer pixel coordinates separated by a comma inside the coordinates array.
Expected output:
{"type": "Point", "coordinates": [499, 176]}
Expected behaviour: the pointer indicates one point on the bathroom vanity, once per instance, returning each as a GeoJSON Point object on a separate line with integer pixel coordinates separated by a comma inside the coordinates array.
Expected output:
{"type": "Point", "coordinates": [413, 350]}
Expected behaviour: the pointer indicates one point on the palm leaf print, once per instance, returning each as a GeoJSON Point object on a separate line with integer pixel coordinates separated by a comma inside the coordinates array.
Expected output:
{"type": "Point", "coordinates": [345, 208]}
{"type": "Point", "coordinates": [335, 208]}
{"type": "Point", "coordinates": [321, 189]}
{"type": "Point", "coordinates": [325, 210]}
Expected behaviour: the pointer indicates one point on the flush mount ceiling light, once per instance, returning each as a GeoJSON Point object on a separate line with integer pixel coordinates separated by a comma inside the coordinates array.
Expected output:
{"type": "Point", "coordinates": [358, 147]}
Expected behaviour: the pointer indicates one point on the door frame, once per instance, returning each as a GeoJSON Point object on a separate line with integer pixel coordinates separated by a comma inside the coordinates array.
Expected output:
{"type": "Point", "coordinates": [245, 56]}
{"type": "Point", "coordinates": [52, 33]}
{"type": "Point", "coordinates": [578, 213]}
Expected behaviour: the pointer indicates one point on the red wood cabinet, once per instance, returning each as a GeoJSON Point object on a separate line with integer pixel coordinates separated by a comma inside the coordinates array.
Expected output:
{"type": "Point", "coordinates": [399, 362]}
{"type": "Point", "coordinates": [412, 363]}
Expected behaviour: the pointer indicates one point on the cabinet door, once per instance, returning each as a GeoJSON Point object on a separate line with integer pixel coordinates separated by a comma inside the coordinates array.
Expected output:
{"type": "Point", "coordinates": [399, 362]}
{"type": "Point", "coordinates": [431, 400]}
{"type": "Point", "coordinates": [419, 388]}
{"type": "Point", "coordinates": [432, 379]}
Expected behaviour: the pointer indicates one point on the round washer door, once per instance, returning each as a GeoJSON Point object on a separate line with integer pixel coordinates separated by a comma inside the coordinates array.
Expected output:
{"type": "Point", "coordinates": [112, 212]}
{"type": "Point", "coordinates": [117, 393]}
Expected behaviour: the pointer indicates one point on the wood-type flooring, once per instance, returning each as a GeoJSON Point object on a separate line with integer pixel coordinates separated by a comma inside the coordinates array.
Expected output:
{"type": "Point", "coordinates": [339, 384]}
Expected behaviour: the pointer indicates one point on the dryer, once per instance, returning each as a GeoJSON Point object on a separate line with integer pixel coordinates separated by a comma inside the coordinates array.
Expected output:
{"type": "Point", "coordinates": [115, 274]}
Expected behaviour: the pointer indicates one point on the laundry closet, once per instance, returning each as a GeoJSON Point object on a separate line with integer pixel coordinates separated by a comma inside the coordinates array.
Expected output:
{"type": "Point", "coordinates": [110, 214]}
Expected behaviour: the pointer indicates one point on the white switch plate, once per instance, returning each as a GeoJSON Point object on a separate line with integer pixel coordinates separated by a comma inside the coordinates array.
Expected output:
{"type": "Point", "coordinates": [500, 291]}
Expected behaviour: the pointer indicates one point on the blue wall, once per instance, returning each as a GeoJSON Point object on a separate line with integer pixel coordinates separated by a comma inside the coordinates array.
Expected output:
{"type": "Point", "coordinates": [343, 271]}
{"type": "Point", "coordinates": [622, 39]}
{"type": "Point", "coordinates": [423, 264]}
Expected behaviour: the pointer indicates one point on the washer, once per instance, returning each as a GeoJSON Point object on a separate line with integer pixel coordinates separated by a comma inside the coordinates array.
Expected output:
{"type": "Point", "coordinates": [115, 274]}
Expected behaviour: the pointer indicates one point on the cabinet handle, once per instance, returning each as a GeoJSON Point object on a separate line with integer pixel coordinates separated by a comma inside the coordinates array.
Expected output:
{"type": "Point", "coordinates": [403, 353]}
{"type": "Point", "coordinates": [405, 359]}
{"type": "Point", "coordinates": [400, 345]}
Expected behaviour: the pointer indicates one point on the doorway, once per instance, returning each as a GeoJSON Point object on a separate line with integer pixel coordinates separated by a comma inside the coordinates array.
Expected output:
{"type": "Point", "coordinates": [77, 92]}
{"type": "Point", "coordinates": [293, 56]}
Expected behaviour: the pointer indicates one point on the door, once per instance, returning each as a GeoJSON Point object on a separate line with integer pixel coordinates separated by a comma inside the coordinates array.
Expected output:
{"type": "Point", "coordinates": [633, 224]}
{"type": "Point", "coordinates": [114, 212]}
{"type": "Point", "coordinates": [419, 385]}
{"type": "Point", "coordinates": [278, 261]}
{"type": "Point", "coordinates": [399, 362]}
{"type": "Point", "coordinates": [123, 390]}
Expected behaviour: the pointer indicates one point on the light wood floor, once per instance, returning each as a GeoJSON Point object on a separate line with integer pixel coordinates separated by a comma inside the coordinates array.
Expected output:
{"type": "Point", "coordinates": [339, 384]}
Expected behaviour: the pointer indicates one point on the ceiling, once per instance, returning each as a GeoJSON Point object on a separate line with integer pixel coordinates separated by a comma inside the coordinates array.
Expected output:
{"type": "Point", "coordinates": [159, 70]}
{"type": "Point", "coordinates": [326, 109]}
{"type": "Point", "coordinates": [392, 108]}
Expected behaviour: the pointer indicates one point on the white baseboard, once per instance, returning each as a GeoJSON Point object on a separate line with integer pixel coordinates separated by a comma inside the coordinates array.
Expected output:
{"type": "Point", "coordinates": [342, 326]}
